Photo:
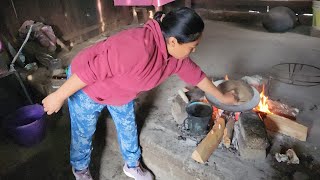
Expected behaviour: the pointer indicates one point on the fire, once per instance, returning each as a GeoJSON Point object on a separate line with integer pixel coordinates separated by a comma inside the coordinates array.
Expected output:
{"type": "Point", "coordinates": [263, 104]}
{"type": "Point", "coordinates": [226, 78]}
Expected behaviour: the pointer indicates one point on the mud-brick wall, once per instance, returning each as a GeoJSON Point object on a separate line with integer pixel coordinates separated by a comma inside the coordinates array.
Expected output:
{"type": "Point", "coordinates": [72, 20]}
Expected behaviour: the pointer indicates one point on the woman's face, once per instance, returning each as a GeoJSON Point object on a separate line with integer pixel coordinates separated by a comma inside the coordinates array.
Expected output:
{"type": "Point", "coordinates": [181, 51]}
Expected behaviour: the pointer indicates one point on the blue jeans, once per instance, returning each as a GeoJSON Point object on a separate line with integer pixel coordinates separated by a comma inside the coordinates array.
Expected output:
{"type": "Point", "coordinates": [84, 114]}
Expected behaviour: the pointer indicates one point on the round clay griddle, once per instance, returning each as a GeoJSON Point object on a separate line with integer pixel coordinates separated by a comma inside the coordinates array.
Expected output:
{"type": "Point", "coordinates": [247, 95]}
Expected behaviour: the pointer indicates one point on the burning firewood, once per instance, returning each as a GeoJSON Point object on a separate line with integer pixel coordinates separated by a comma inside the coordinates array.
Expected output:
{"type": "Point", "coordinates": [274, 116]}
{"type": "Point", "coordinates": [269, 106]}
{"type": "Point", "coordinates": [281, 109]}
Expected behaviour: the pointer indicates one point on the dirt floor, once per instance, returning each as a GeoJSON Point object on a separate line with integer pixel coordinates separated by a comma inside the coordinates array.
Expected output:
{"type": "Point", "coordinates": [226, 48]}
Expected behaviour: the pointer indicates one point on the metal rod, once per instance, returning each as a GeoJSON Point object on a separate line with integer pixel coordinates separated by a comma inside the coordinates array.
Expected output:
{"type": "Point", "coordinates": [14, 9]}
{"type": "Point", "coordinates": [293, 73]}
{"type": "Point", "coordinates": [289, 70]}
{"type": "Point", "coordinates": [12, 69]}
{"type": "Point", "coordinates": [306, 84]}
{"type": "Point", "coordinates": [301, 66]}
{"type": "Point", "coordinates": [299, 74]}
{"type": "Point", "coordinates": [23, 44]}
{"type": "Point", "coordinates": [23, 87]}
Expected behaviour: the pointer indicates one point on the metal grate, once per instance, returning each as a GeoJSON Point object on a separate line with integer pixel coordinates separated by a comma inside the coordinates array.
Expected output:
{"type": "Point", "coordinates": [296, 74]}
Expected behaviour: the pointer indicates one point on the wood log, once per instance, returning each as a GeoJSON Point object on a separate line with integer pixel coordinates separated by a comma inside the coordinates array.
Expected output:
{"type": "Point", "coordinates": [210, 142]}
{"type": "Point", "coordinates": [185, 89]}
{"type": "Point", "coordinates": [183, 96]}
{"type": "Point", "coordinates": [285, 126]}
{"type": "Point", "coordinates": [282, 109]}
{"type": "Point", "coordinates": [228, 132]}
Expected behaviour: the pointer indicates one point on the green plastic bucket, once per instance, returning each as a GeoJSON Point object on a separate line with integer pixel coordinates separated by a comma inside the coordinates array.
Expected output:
{"type": "Point", "coordinates": [316, 15]}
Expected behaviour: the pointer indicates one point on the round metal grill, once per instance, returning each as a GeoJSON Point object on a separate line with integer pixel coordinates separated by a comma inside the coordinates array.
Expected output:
{"type": "Point", "coordinates": [296, 74]}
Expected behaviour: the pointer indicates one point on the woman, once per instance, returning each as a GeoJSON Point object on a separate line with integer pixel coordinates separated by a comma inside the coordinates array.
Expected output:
{"type": "Point", "coordinates": [111, 73]}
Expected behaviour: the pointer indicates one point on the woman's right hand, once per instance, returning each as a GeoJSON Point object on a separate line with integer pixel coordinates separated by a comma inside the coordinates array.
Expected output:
{"type": "Point", "coordinates": [52, 103]}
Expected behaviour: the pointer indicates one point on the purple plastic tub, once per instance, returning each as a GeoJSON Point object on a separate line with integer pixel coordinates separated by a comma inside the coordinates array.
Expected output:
{"type": "Point", "coordinates": [27, 125]}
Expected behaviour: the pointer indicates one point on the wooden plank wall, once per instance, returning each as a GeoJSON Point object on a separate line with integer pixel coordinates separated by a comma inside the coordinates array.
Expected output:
{"type": "Point", "coordinates": [78, 20]}
{"type": "Point", "coordinates": [67, 18]}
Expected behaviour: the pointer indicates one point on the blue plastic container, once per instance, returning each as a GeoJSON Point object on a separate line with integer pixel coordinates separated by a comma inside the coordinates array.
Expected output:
{"type": "Point", "coordinates": [27, 125]}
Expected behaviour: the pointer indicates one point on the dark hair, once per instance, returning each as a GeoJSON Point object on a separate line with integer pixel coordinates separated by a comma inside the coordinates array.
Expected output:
{"type": "Point", "coordinates": [183, 23]}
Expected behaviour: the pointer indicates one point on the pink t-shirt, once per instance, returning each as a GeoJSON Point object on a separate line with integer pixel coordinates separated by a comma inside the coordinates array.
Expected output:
{"type": "Point", "coordinates": [117, 69]}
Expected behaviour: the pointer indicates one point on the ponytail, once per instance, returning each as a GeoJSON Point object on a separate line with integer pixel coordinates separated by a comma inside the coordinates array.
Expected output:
{"type": "Point", "coordinates": [183, 23]}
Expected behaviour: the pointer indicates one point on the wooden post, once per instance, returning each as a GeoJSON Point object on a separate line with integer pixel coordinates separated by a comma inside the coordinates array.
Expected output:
{"type": "Point", "coordinates": [210, 142]}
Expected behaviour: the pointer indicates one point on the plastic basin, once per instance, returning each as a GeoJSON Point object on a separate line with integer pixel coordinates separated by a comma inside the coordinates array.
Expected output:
{"type": "Point", "coordinates": [26, 125]}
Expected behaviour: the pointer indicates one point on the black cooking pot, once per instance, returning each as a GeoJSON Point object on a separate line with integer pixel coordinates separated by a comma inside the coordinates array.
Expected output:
{"type": "Point", "coordinates": [199, 116]}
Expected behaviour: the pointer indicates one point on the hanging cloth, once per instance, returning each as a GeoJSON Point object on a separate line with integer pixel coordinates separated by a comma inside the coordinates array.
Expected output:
{"type": "Point", "coordinates": [155, 3]}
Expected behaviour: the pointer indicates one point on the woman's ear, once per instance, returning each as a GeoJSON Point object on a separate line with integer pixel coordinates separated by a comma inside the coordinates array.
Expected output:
{"type": "Point", "coordinates": [172, 41]}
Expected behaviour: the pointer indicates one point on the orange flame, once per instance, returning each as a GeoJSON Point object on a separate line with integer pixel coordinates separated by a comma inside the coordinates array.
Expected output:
{"type": "Point", "coordinates": [263, 104]}
{"type": "Point", "coordinates": [226, 77]}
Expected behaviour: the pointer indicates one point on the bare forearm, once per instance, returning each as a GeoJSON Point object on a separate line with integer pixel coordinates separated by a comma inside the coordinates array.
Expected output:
{"type": "Point", "coordinates": [72, 85]}
{"type": "Point", "coordinates": [207, 86]}
{"type": "Point", "coordinates": [54, 101]}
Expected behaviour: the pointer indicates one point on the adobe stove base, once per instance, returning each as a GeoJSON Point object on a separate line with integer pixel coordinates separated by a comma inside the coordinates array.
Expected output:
{"type": "Point", "coordinates": [251, 136]}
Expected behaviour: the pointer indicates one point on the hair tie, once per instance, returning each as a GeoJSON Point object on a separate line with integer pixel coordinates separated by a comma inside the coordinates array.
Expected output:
{"type": "Point", "coordinates": [162, 16]}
